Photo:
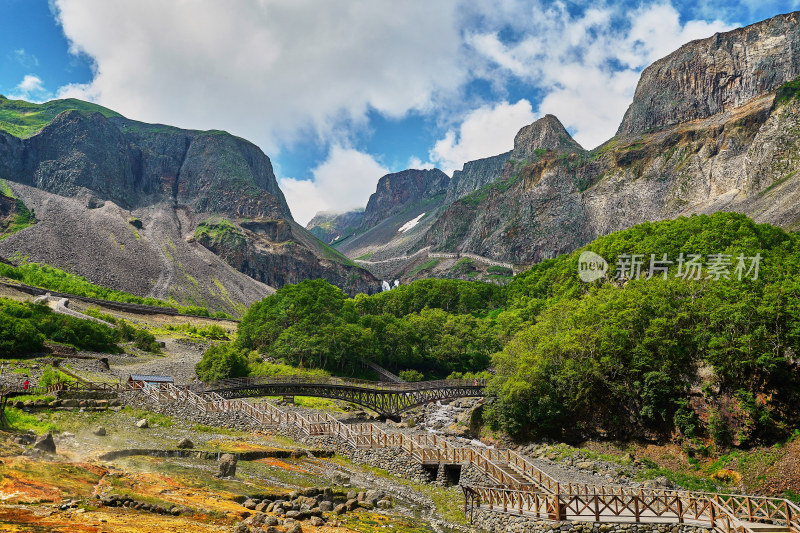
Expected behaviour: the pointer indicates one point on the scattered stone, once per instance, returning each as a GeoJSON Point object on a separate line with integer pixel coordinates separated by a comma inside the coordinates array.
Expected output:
{"type": "Point", "coordinates": [100, 431]}
{"type": "Point", "coordinates": [317, 521]}
{"type": "Point", "coordinates": [325, 506]}
{"type": "Point", "coordinates": [142, 424]}
{"type": "Point", "coordinates": [250, 504]}
{"type": "Point", "coordinates": [45, 443]}
{"type": "Point", "coordinates": [295, 528]}
{"type": "Point", "coordinates": [227, 466]}
{"type": "Point", "coordinates": [185, 444]}
{"type": "Point", "coordinates": [384, 504]}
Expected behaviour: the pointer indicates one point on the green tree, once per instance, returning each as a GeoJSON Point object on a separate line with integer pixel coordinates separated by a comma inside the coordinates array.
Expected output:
{"type": "Point", "coordinates": [222, 362]}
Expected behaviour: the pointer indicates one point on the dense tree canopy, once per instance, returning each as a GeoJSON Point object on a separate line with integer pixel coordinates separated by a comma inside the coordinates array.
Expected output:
{"type": "Point", "coordinates": [709, 352]}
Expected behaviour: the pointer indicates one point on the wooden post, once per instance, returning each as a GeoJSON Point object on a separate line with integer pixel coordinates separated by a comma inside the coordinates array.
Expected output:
{"type": "Point", "coordinates": [711, 513]}
{"type": "Point", "coordinates": [636, 508]}
{"type": "Point", "coordinates": [680, 509]}
{"type": "Point", "coordinates": [596, 508]}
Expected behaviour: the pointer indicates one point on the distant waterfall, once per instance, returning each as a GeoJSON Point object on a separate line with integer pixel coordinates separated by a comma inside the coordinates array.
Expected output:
{"type": "Point", "coordinates": [385, 286]}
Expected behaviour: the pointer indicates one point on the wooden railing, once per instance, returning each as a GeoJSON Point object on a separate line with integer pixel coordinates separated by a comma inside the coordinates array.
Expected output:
{"type": "Point", "coordinates": [724, 513]}
{"type": "Point", "coordinates": [234, 383]}
{"type": "Point", "coordinates": [617, 508]}
{"type": "Point", "coordinates": [543, 496]}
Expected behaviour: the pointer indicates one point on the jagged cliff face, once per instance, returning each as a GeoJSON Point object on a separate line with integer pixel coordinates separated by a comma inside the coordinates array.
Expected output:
{"type": "Point", "coordinates": [330, 227]}
{"type": "Point", "coordinates": [396, 192]}
{"type": "Point", "coordinates": [710, 76]}
{"type": "Point", "coordinates": [546, 134]}
{"type": "Point", "coordinates": [279, 252]}
{"type": "Point", "coordinates": [705, 133]}
{"type": "Point", "coordinates": [135, 164]}
{"type": "Point", "coordinates": [474, 175]}
{"type": "Point", "coordinates": [88, 174]}
{"type": "Point", "coordinates": [744, 160]}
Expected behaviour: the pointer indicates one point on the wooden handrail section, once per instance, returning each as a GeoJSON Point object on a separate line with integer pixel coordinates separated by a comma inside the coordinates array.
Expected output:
{"type": "Point", "coordinates": [543, 496]}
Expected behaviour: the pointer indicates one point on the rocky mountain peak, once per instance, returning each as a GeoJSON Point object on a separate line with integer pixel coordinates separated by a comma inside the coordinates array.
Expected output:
{"type": "Point", "coordinates": [547, 133]}
{"type": "Point", "coordinates": [709, 76]}
{"type": "Point", "coordinates": [401, 189]}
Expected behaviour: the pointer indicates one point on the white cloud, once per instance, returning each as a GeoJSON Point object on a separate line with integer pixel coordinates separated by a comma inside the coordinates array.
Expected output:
{"type": "Point", "coordinates": [31, 88]}
{"type": "Point", "coordinates": [343, 181]}
{"type": "Point", "coordinates": [25, 58]}
{"type": "Point", "coordinates": [30, 83]}
{"type": "Point", "coordinates": [484, 132]}
{"type": "Point", "coordinates": [416, 162]}
{"type": "Point", "coordinates": [278, 71]}
{"type": "Point", "coordinates": [586, 65]}
{"type": "Point", "coordinates": [268, 70]}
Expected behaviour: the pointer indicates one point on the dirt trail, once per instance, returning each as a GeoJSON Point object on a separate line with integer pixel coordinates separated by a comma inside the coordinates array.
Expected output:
{"type": "Point", "coordinates": [179, 358]}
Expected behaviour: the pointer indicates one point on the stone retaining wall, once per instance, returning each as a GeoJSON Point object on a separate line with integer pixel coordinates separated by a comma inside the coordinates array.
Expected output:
{"type": "Point", "coordinates": [499, 522]}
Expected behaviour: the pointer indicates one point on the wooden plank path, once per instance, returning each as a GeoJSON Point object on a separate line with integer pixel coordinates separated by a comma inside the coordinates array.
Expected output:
{"type": "Point", "coordinates": [539, 494]}
{"type": "Point", "coordinates": [514, 483]}
{"type": "Point", "coordinates": [726, 513]}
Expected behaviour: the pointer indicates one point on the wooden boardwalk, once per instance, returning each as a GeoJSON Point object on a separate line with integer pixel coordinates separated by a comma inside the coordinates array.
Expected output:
{"type": "Point", "coordinates": [513, 484]}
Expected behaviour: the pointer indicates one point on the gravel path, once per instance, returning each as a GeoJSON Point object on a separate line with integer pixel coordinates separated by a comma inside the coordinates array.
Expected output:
{"type": "Point", "coordinates": [180, 357]}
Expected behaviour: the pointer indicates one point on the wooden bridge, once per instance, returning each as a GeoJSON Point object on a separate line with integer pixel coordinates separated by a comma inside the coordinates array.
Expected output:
{"type": "Point", "coordinates": [387, 399]}
{"type": "Point", "coordinates": [513, 483]}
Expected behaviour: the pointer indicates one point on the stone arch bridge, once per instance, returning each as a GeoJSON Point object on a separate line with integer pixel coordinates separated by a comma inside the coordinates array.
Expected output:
{"type": "Point", "coordinates": [387, 399]}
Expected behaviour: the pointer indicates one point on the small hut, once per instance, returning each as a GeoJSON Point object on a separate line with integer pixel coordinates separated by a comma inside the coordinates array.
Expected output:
{"type": "Point", "coordinates": [139, 381]}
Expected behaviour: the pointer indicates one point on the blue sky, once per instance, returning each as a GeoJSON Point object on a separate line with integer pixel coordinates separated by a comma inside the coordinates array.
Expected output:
{"type": "Point", "coordinates": [339, 93]}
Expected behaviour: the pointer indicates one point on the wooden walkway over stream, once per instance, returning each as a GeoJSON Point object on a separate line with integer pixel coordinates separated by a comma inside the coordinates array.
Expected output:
{"type": "Point", "coordinates": [513, 484]}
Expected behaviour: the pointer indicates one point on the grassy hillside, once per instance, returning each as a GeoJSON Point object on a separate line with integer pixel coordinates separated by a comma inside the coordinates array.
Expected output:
{"type": "Point", "coordinates": [51, 278]}
{"type": "Point", "coordinates": [24, 119]}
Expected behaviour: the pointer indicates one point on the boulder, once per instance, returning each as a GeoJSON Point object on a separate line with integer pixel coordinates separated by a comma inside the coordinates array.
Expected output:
{"type": "Point", "coordinates": [295, 528]}
{"type": "Point", "coordinates": [317, 521]}
{"type": "Point", "coordinates": [250, 504]}
{"type": "Point", "coordinates": [185, 444]}
{"type": "Point", "coordinates": [227, 466]}
{"type": "Point", "coordinates": [142, 424]}
{"type": "Point", "coordinates": [100, 431]}
{"type": "Point", "coordinates": [45, 443]}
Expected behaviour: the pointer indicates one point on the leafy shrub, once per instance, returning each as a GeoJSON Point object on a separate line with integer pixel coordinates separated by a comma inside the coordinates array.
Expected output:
{"type": "Point", "coordinates": [411, 375]}
{"type": "Point", "coordinates": [18, 336]}
{"type": "Point", "coordinates": [222, 362]}
{"type": "Point", "coordinates": [24, 327]}
{"type": "Point", "coordinates": [141, 338]}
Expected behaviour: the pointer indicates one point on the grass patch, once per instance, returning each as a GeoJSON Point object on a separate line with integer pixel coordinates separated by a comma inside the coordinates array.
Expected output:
{"type": "Point", "coordinates": [153, 419]}
{"type": "Point", "coordinates": [686, 481]}
{"type": "Point", "coordinates": [24, 119]}
{"type": "Point", "coordinates": [21, 217]}
{"type": "Point", "coordinates": [264, 368]}
{"type": "Point", "coordinates": [312, 402]}
{"type": "Point", "coordinates": [365, 256]}
{"type": "Point", "coordinates": [425, 266]}
{"type": "Point", "coordinates": [23, 421]}
{"type": "Point", "coordinates": [787, 92]}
